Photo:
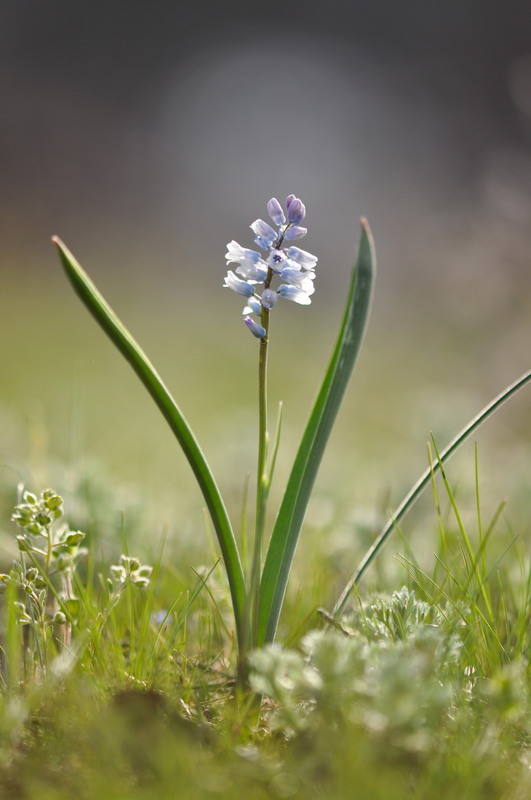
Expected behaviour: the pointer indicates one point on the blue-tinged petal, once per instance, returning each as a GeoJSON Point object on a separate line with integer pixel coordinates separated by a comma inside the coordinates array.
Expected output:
{"type": "Point", "coordinates": [254, 306]}
{"type": "Point", "coordinates": [296, 211]}
{"type": "Point", "coordinates": [240, 287]}
{"type": "Point", "coordinates": [239, 255]}
{"type": "Point", "coordinates": [302, 257]}
{"type": "Point", "coordinates": [300, 278]}
{"type": "Point", "coordinates": [276, 260]}
{"type": "Point", "coordinates": [256, 273]}
{"type": "Point", "coordinates": [269, 298]}
{"type": "Point", "coordinates": [261, 242]}
{"type": "Point", "coordinates": [264, 234]}
{"type": "Point", "coordinates": [289, 200]}
{"type": "Point", "coordinates": [294, 272]}
{"type": "Point", "coordinates": [292, 275]}
{"type": "Point", "coordinates": [255, 328]}
{"type": "Point", "coordinates": [294, 294]}
{"type": "Point", "coordinates": [274, 209]}
{"type": "Point", "coordinates": [295, 233]}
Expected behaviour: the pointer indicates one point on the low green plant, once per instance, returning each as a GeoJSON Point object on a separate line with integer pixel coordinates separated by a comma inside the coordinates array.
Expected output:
{"type": "Point", "coordinates": [47, 598]}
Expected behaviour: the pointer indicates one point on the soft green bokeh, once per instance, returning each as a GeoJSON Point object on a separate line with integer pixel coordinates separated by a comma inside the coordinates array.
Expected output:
{"type": "Point", "coordinates": [71, 411]}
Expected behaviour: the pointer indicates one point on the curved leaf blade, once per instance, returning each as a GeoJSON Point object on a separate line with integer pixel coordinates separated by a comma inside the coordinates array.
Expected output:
{"type": "Point", "coordinates": [416, 490]}
{"type": "Point", "coordinates": [128, 347]}
{"type": "Point", "coordinates": [290, 517]}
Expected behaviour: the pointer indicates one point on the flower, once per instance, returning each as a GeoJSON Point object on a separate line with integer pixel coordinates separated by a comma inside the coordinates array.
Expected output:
{"type": "Point", "coordinates": [250, 264]}
{"type": "Point", "coordinates": [240, 287]}
{"type": "Point", "coordinates": [269, 298]}
{"type": "Point", "coordinates": [266, 236]}
{"type": "Point", "coordinates": [296, 232]}
{"type": "Point", "coordinates": [299, 278]}
{"type": "Point", "coordinates": [295, 294]}
{"type": "Point", "coordinates": [296, 210]}
{"type": "Point", "coordinates": [294, 267]}
{"type": "Point", "coordinates": [276, 259]}
{"type": "Point", "coordinates": [254, 306]}
{"type": "Point", "coordinates": [236, 254]}
{"type": "Point", "coordinates": [303, 258]}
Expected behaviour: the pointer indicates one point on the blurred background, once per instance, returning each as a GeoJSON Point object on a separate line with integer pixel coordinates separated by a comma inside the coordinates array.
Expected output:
{"type": "Point", "coordinates": [147, 135]}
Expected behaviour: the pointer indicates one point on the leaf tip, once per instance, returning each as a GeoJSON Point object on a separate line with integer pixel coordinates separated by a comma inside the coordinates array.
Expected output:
{"type": "Point", "coordinates": [64, 253]}
{"type": "Point", "coordinates": [365, 226]}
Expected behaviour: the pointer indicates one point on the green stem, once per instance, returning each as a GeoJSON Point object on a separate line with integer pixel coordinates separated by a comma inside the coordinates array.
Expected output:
{"type": "Point", "coordinates": [50, 586]}
{"type": "Point", "coordinates": [48, 558]}
{"type": "Point", "coordinates": [262, 481]}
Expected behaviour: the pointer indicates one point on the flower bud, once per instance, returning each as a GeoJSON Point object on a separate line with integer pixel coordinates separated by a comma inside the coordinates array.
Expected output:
{"type": "Point", "coordinates": [269, 298]}
{"type": "Point", "coordinates": [74, 537]}
{"type": "Point", "coordinates": [296, 211]}
{"type": "Point", "coordinates": [289, 200]}
{"type": "Point", "coordinates": [256, 329]}
{"type": "Point", "coordinates": [274, 209]}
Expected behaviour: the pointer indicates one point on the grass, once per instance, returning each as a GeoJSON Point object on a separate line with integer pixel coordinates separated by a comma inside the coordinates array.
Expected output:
{"type": "Point", "coordinates": [420, 690]}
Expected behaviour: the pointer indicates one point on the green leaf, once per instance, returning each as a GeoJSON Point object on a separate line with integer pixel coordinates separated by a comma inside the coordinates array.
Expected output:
{"type": "Point", "coordinates": [290, 517]}
{"type": "Point", "coordinates": [131, 351]}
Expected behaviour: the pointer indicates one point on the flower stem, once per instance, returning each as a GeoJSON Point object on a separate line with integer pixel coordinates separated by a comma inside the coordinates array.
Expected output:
{"type": "Point", "coordinates": [262, 478]}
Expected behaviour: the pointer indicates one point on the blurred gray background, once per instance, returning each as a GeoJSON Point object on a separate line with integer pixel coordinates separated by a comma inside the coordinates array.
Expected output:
{"type": "Point", "coordinates": [147, 135]}
{"type": "Point", "coordinates": [159, 128]}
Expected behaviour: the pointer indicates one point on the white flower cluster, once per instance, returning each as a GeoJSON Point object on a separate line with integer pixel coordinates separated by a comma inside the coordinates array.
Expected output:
{"type": "Point", "coordinates": [294, 267]}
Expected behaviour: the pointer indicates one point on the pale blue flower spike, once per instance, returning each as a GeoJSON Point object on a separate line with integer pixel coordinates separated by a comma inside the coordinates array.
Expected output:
{"type": "Point", "coordinates": [294, 267]}
{"type": "Point", "coordinates": [255, 328]}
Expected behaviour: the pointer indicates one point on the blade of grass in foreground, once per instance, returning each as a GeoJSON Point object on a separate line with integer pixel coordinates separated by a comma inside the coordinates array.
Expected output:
{"type": "Point", "coordinates": [413, 495]}
{"type": "Point", "coordinates": [132, 352]}
{"type": "Point", "coordinates": [289, 520]}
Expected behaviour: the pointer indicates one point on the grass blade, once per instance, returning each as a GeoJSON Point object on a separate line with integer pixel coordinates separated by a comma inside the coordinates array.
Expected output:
{"type": "Point", "coordinates": [132, 352]}
{"type": "Point", "coordinates": [293, 507]}
{"type": "Point", "coordinates": [415, 492]}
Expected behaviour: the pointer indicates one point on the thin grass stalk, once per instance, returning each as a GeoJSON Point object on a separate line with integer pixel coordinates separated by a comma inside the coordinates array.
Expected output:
{"type": "Point", "coordinates": [410, 499]}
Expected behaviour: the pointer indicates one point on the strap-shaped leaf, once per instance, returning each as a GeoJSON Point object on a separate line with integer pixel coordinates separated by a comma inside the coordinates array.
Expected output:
{"type": "Point", "coordinates": [132, 352]}
{"type": "Point", "coordinates": [290, 517]}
